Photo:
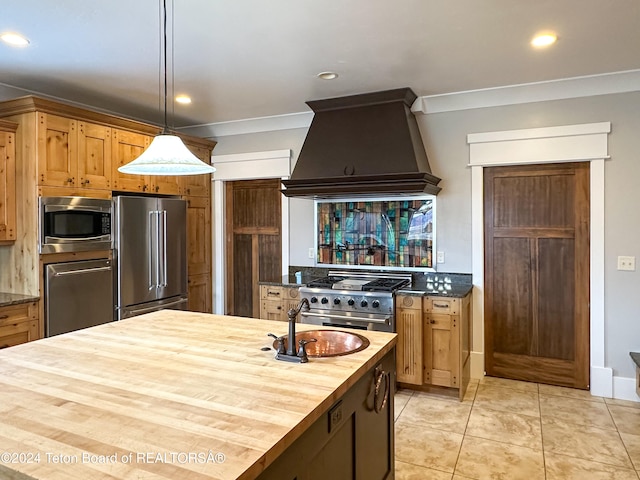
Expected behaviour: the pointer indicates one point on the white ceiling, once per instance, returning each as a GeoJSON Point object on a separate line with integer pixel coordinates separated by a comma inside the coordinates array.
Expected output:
{"type": "Point", "coordinates": [242, 59]}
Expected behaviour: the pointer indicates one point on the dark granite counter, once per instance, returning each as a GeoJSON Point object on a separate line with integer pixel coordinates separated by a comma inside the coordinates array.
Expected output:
{"type": "Point", "coordinates": [635, 356]}
{"type": "Point", "coordinates": [7, 299]}
{"type": "Point", "coordinates": [455, 285]}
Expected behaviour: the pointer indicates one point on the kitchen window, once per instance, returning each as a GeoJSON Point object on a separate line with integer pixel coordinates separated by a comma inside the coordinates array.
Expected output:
{"type": "Point", "coordinates": [395, 233]}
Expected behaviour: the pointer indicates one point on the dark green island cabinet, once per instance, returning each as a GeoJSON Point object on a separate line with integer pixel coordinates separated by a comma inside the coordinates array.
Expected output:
{"type": "Point", "coordinates": [353, 440]}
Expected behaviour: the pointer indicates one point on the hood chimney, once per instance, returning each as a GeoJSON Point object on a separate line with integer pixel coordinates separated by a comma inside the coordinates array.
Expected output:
{"type": "Point", "coordinates": [362, 145]}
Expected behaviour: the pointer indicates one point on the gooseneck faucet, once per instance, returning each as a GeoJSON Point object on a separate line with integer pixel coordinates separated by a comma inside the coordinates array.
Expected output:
{"type": "Point", "coordinates": [292, 314]}
{"type": "Point", "coordinates": [291, 354]}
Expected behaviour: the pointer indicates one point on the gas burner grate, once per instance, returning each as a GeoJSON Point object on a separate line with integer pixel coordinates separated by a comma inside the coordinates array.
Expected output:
{"type": "Point", "coordinates": [384, 285]}
{"type": "Point", "coordinates": [324, 282]}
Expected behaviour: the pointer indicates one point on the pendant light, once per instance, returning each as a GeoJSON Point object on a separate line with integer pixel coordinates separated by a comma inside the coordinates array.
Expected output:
{"type": "Point", "coordinates": [167, 154]}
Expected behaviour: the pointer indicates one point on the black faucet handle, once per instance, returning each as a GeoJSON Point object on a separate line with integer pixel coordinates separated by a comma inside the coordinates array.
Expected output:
{"type": "Point", "coordinates": [279, 343]}
{"type": "Point", "coordinates": [302, 350]}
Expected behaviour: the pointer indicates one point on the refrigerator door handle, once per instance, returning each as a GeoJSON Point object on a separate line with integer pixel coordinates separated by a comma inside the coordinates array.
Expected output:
{"type": "Point", "coordinates": [150, 250]}
{"type": "Point", "coordinates": [164, 248]}
{"type": "Point", "coordinates": [159, 250]}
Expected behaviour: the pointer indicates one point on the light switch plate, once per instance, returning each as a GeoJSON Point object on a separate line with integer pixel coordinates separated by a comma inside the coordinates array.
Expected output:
{"type": "Point", "coordinates": [439, 257]}
{"type": "Point", "coordinates": [627, 263]}
{"type": "Point", "coordinates": [312, 253]}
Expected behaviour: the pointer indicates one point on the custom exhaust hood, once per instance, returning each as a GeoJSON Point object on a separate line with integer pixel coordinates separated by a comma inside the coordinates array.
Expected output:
{"type": "Point", "coordinates": [362, 145]}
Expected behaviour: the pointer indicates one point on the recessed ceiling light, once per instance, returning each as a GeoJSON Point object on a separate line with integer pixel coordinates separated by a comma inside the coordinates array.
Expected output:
{"type": "Point", "coordinates": [544, 40]}
{"type": "Point", "coordinates": [184, 99]}
{"type": "Point", "coordinates": [327, 75]}
{"type": "Point", "coordinates": [14, 39]}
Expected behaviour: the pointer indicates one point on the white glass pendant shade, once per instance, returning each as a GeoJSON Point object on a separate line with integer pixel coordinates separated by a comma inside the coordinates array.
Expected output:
{"type": "Point", "coordinates": [167, 155]}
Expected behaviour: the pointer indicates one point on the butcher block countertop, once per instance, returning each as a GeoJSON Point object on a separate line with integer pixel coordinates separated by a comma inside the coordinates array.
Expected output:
{"type": "Point", "coordinates": [166, 395]}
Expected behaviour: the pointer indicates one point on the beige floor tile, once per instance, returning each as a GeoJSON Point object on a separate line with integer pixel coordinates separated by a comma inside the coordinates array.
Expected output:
{"type": "Point", "coordinates": [622, 403]}
{"type": "Point", "coordinates": [470, 394]}
{"type": "Point", "coordinates": [626, 419]}
{"type": "Point", "coordinates": [505, 427]}
{"type": "Point", "coordinates": [561, 467]}
{"type": "Point", "coordinates": [508, 383]}
{"type": "Point", "coordinates": [485, 459]}
{"type": "Point", "coordinates": [507, 399]}
{"type": "Point", "coordinates": [406, 471]}
{"type": "Point", "coordinates": [580, 412]}
{"type": "Point", "coordinates": [426, 447]}
{"type": "Point", "coordinates": [568, 392]}
{"type": "Point", "coordinates": [436, 413]}
{"type": "Point", "coordinates": [584, 442]}
{"type": "Point", "coordinates": [400, 401]}
{"type": "Point", "coordinates": [632, 443]}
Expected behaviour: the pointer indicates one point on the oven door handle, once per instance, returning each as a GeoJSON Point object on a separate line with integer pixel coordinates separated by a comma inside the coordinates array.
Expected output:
{"type": "Point", "coordinates": [345, 317]}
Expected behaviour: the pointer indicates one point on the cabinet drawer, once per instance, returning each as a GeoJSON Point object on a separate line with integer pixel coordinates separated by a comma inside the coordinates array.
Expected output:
{"type": "Point", "coordinates": [450, 306]}
{"type": "Point", "coordinates": [17, 333]}
{"type": "Point", "coordinates": [269, 292]}
{"type": "Point", "coordinates": [17, 313]}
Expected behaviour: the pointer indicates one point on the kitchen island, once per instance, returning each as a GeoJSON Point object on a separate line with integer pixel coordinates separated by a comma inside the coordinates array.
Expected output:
{"type": "Point", "coordinates": [182, 395]}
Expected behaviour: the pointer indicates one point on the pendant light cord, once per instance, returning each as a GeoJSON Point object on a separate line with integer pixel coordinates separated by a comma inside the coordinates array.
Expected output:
{"type": "Point", "coordinates": [164, 45]}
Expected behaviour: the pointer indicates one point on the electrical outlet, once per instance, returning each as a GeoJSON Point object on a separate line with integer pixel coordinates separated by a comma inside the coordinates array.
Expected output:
{"type": "Point", "coordinates": [312, 253]}
{"type": "Point", "coordinates": [627, 263]}
{"type": "Point", "coordinates": [439, 257]}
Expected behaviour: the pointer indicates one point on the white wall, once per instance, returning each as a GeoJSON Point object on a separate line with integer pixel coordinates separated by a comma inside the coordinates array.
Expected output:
{"type": "Point", "coordinates": [445, 141]}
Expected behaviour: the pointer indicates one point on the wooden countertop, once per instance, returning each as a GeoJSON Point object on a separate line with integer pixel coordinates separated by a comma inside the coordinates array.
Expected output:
{"type": "Point", "coordinates": [167, 395]}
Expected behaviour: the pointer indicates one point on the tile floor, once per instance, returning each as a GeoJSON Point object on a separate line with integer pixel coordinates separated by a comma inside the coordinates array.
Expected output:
{"type": "Point", "coordinates": [510, 430]}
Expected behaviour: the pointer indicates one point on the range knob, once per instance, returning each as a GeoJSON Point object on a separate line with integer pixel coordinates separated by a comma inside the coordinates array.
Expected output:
{"type": "Point", "coordinates": [375, 304]}
{"type": "Point", "coordinates": [336, 301]}
{"type": "Point", "coordinates": [351, 302]}
{"type": "Point", "coordinates": [324, 300]}
{"type": "Point", "coordinates": [364, 303]}
{"type": "Point", "coordinates": [314, 300]}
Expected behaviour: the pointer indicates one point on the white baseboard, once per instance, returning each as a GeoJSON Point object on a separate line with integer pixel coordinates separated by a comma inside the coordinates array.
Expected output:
{"type": "Point", "coordinates": [625, 389]}
{"type": "Point", "coordinates": [477, 365]}
{"type": "Point", "coordinates": [601, 382]}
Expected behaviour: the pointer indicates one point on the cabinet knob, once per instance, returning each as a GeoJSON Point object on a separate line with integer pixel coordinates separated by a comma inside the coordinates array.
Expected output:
{"type": "Point", "coordinates": [432, 321]}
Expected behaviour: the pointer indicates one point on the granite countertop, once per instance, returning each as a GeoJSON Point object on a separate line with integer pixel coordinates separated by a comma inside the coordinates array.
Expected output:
{"type": "Point", "coordinates": [7, 299]}
{"type": "Point", "coordinates": [635, 356]}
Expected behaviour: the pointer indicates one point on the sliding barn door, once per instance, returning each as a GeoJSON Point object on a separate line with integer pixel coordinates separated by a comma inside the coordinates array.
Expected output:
{"type": "Point", "coordinates": [537, 273]}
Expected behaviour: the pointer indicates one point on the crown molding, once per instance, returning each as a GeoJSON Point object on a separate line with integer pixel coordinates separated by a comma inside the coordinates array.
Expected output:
{"type": "Point", "coordinates": [576, 87]}
{"type": "Point", "coordinates": [251, 125]}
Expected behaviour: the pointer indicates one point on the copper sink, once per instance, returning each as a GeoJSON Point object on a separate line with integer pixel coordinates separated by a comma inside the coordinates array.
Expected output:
{"type": "Point", "coordinates": [330, 343]}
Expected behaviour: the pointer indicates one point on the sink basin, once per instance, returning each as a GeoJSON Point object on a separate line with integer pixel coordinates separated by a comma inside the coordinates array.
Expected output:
{"type": "Point", "coordinates": [330, 343]}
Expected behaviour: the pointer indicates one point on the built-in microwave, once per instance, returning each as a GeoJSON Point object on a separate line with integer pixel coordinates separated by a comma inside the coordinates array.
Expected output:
{"type": "Point", "coordinates": [73, 224]}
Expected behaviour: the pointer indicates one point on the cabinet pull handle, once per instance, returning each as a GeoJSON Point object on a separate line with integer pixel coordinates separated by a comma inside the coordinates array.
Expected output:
{"type": "Point", "coordinates": [440, 305]}
{"type": "Point", "coordinates": [432, 321]}
{"type": "Point", "coordinates": [380, 375]}
{"type": "Point", "coordinates": [2, 317]}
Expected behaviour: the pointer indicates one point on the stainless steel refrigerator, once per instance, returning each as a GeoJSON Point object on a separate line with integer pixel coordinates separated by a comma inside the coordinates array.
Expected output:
{"type": "Point", "coordinates": [150, 251]}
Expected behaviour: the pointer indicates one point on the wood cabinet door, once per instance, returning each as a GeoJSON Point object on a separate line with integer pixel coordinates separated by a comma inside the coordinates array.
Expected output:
{"type": "Point", "coordinates": [409, 350]}
{"type": "Point", "coordinates": [197, 185]}
{"type": "Point", "coordinates": [537, 273]}
{"type": "Point", "coordinates": [127, 146]}
{"type": "Point", "coordinates": [442, 349]}
{"type": "Point", "coordinates": [200, 294]}
{"type": "Point", "coordinates": [198, 235]}
{"type": "Point", "coordinates": [165, 184]}
{"type": "Point", "coordinates": [57, 151]}
{"type": "Point", "coordinates": [94, 156]}
{"type": "Point", "coordinates": [7, 187]}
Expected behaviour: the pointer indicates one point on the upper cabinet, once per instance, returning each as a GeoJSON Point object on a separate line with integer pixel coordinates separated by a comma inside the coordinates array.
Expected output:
{"type": "Point", "coordinates": [127, 146]}
{"type": "Point", "coordinates": [7, 182]}
{"type": "Point", "coordinates": [57, 151]}
{"type": "Point", "coordinates": [94, 156]}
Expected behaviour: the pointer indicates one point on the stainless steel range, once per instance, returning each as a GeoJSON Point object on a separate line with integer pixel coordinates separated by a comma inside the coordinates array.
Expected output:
{"type": "Point", "coordinates": [351, 299]}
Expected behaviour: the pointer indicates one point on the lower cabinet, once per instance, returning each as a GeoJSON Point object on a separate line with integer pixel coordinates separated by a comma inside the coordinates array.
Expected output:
{"type": "Point", "coordinates": [434, 342]}
{"type": "Point", "coordinates": [18, 324]}
{"type": "Point", "coordinates": [353, 439]}
{"type": "Point", "coordinates": [276, 301]}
